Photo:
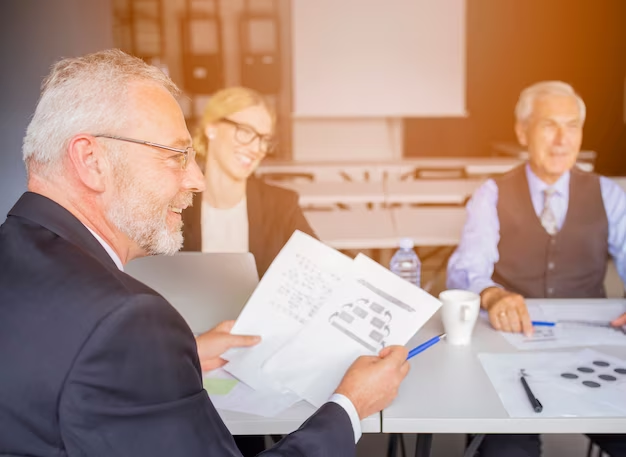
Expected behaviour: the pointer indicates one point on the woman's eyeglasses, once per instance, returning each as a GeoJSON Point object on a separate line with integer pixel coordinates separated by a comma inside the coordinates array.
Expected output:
{"type": "Point", "coordinates": [244, 134]}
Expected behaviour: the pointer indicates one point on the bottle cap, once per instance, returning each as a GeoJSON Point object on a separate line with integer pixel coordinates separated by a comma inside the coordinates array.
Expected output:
{"type": "Point", "coordinates": [407, 243]}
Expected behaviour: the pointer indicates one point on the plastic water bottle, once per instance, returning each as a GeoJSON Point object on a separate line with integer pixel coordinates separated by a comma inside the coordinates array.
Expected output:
{"type": "Point", "coordinates": [405, 262]}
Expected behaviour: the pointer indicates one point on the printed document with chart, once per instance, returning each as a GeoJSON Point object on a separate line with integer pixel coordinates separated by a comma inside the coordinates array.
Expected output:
{"type": "Point", "coordinates": [582, 383]}
{"type": "Point", "coordinates": [297, 284]}
{"type": "Point", "coordinates": [317, 311]}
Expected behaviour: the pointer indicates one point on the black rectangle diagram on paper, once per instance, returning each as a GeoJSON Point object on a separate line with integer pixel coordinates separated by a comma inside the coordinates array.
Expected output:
{"type": "Point", "coordinates": [346, 317]}
{"type": "Point", "coordinates": [376, 336]}
{"type": "Point", "coordinates": [377, 308]}
{"type": "Point", "coordinates": [360, 312]}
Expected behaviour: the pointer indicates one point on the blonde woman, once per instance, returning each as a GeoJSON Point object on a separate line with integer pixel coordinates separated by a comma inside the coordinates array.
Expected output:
{"type": "Point", "coordinates": [238, 212]}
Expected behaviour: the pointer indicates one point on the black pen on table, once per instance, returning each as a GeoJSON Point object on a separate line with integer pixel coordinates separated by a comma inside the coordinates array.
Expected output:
{"type": "Point", "coordinates": [534, 402]}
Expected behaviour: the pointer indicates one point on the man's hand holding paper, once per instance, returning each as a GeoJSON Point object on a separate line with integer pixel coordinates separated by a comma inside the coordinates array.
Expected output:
{"type": "Point", "coordinates": [372, 382]}
{"type": "Point", "coordinates": [212, 344]}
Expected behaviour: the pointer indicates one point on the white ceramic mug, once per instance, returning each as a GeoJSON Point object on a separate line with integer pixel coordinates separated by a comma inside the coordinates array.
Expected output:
{"type": "Point", "coordinates": [459, 312]}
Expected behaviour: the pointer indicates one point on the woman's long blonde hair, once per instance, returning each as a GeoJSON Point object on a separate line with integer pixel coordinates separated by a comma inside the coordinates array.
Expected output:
{"type": "Point", "coordinates": [222, 104]}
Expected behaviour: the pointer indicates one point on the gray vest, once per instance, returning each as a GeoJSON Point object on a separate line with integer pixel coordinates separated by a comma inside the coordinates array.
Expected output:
{"type": "Point", "coordinates": [570, 264]}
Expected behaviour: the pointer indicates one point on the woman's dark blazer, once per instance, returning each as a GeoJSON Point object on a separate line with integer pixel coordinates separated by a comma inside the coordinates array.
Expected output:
{"type": "Point", "coordinates": [273, 215]}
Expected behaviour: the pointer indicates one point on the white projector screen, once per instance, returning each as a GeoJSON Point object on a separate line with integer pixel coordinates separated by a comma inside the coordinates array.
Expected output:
{"type": "Point", "coordinates": [378, 58]}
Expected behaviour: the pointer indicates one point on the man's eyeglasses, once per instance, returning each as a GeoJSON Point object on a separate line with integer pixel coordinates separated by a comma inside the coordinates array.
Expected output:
{"type": "Point", "coordinates": [244, 134]}
{"type": "Point", "coordinates": [186, 155]}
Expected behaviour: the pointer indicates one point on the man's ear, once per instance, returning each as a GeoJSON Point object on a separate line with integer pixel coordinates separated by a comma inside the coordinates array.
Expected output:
{"type": "Point", "coordinates": [88, 161]}
{"type": "Point", "coordinates": [520, 131]}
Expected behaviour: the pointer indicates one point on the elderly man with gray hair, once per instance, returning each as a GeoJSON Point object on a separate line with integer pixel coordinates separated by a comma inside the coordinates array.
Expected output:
{"type": "Point", "coordinates": [95, 363]}
{"type": "Point", "coordinates": [543, 230]}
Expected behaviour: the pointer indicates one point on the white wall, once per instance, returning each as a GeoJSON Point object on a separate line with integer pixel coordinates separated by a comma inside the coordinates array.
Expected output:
{"type": "Point", "coordinates": [359, 66]}
{"type": "Point", "coordinates": [392, 58]}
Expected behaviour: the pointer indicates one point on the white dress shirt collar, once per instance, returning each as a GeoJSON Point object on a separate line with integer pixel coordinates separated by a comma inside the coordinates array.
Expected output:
{"type": "Point", "coordinates": [109, 250]}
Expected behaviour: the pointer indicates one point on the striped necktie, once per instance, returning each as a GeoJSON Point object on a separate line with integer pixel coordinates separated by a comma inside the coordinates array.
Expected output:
{"type": "Point", "coordinates": [548, 219]}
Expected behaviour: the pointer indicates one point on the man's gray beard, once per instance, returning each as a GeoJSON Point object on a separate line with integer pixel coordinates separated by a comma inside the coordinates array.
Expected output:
{"type": "Point", "coordinates": [141, 219]}
{"type": "Point", "coordinates": [143, 227]}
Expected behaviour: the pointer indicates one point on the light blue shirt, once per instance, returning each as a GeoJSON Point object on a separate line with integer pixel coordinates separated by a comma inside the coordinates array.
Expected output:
{"type": "Point", "coordinates": [471, 266]}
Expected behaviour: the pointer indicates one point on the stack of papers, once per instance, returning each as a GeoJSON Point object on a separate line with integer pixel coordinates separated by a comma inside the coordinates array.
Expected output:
{"type": "Point", "coordinates": [316, 310]}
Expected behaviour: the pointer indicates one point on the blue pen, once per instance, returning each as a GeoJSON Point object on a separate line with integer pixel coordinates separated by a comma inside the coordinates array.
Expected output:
{"type": "Point", "coordinates": [422, 347]}
{"type": "Point", "coordinates": [602, 324]}
{"type": "Point", "coordinates": [543, 324]}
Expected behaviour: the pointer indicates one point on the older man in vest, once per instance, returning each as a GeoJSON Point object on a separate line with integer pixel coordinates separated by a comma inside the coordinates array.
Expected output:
{"type": "Point", "coordinates": [543, 230]}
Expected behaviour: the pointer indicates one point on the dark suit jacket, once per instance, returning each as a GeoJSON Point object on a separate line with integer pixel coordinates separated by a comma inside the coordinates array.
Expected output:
{"type": "Point", "coordinates": [273, 215]}
{"type": "Point", "coordinates": [94, 363]}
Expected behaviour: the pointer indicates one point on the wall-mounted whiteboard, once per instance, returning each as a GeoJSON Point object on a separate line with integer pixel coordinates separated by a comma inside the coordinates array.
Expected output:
{"type": "Point", "coordinates": [380, 58]}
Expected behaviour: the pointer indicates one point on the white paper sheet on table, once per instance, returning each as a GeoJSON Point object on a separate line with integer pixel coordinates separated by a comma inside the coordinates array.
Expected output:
{"type": "Point", "coordinates": [570, 335]}
{"type": "Point", "coordinates": [560, 397]}
{"type": "Point", "coordinates": [234, 395]}
{"type": "Point", "coordinates": [372, 309]}
{"type": "Point", "coordinates": [297, 285]}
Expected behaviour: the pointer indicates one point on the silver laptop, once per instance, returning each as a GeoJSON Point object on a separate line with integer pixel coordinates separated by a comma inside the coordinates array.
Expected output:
{"type": "Point", "coordinates": [206, 289]}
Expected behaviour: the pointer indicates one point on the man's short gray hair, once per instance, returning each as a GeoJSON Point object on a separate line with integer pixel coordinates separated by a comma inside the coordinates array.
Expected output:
{"type": "Point", "coordinates": [525, 104]}
{"type": "Point", "coordinates": [84, 95]}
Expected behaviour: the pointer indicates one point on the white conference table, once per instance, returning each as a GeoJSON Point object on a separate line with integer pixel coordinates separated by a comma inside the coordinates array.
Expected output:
{"type": "Point", "coordinates": [357, 228]}
{"type": "Point", "coordinates": [373, 170]}
{"type": "Point", "coordinates": [512, 149]}
{"type": "Point", "coordinates": [447, 391]}
{"type": "Point", "coordinates": [387, 191]}
{"type": "Point", "coordinates": [382, 228]}
{"type": "Point", "coordinates": [421, 191]}
{"type": "Point", "coordinates": [430, 226]}
{"type": "Point", "coordinates": [378, 170]}
{"type": "Point", "coordinates": [491, 169]}
{"type": "Point", "coordinates": [324, 193]}
{"type": "Point", "coordinates": [431, 191]}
